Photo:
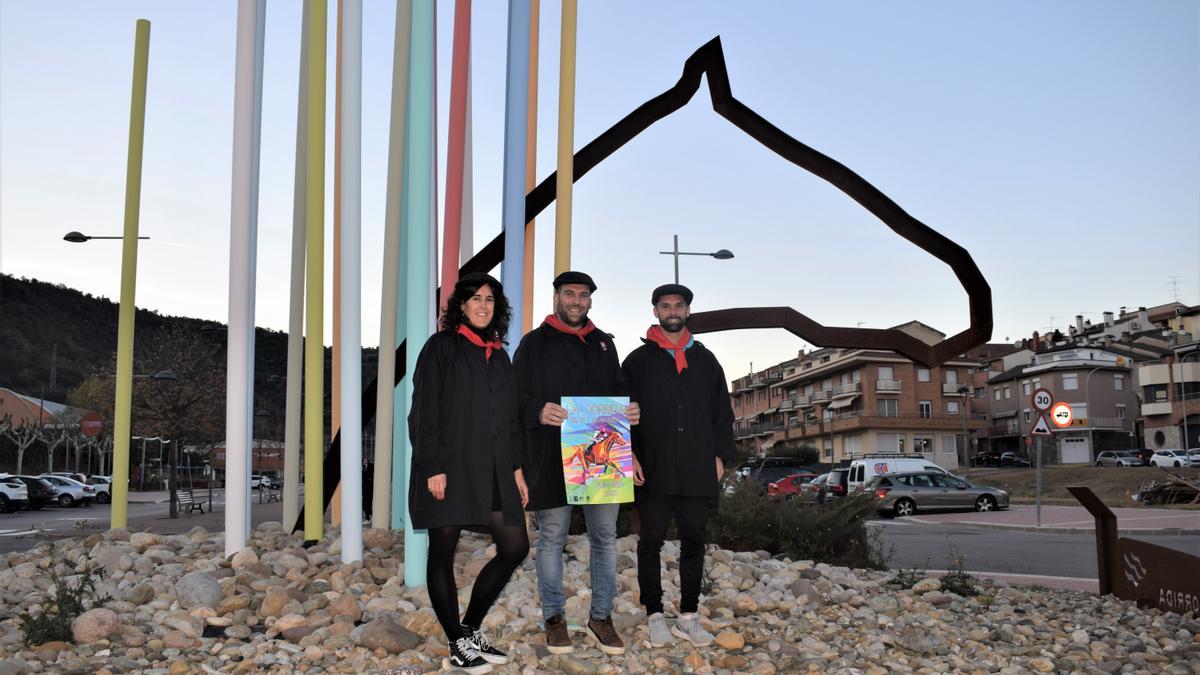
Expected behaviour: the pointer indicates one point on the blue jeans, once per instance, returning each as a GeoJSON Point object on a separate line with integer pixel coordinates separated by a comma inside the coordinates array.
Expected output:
{"type": "Point", "coordinates": [553, 526]}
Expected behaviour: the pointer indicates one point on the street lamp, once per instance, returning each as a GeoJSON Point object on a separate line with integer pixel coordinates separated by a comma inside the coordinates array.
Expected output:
{"type": "Point", "coordinates": [1088, 404]}
{"type": "Point", "coordinates": [1183, 395]}
{"type": "Point", "coordinates": [79, 238]}
{"type": "Point", "coordinates": [963, 390]}
{"type": "Point", "coordinates": [723, 254]}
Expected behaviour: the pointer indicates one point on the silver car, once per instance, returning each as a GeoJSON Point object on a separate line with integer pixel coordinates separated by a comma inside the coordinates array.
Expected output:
{"type": "Point", "coordinates": [1118, 458]}
{"type": "Point", "coordinates": [903, 494]}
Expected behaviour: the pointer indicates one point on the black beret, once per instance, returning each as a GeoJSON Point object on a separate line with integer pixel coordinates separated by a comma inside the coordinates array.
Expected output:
{"type": "Point", "coordinates": [671, 289]}
{"type": "Point", "coordinates": [476, 279]}
{"type": "Point", "coordinates": [573, 277]}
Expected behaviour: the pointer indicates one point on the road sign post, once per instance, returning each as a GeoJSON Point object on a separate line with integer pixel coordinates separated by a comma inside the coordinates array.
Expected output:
{"type": "Point", "coordinates": [1042, 400]}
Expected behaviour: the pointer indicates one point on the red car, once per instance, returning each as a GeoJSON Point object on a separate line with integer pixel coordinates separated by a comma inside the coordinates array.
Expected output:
{"type": "Point", "coordinates": [790, 485]}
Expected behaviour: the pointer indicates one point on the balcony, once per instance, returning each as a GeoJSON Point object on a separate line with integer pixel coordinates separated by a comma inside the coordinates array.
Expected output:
{"type": "Point", "coordinates": [1120, 423]}
{"type": "Point", "coordinates": [774, 377]}
{"type": "Point", "coordinates": [887, 386]}
{"type": "Point", "coordinates": [1161, 408]}
{"type": "Point", "coordinates": [758, 382]}
{"type": "Point", "coordinates": [1003, 430]}
{"type": "Point", "coordinates": [787, 404]}
{"type": "Point", "coordinates": [952, 389]}
{"type": "Point", "coordinates": [851, 388]}
{"type": "Point", "coordinates": [821, 396]}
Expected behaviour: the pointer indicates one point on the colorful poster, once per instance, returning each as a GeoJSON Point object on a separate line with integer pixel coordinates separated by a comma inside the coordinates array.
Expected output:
{"type": "Point", "coordinates": [596, 453]}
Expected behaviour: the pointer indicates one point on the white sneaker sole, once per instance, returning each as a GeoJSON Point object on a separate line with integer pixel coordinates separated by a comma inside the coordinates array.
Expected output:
{"type": "Point", "coordinates": [493, 659]}
{"type": "Point", "coordinates": [560, 650]}
{"type": "Point", "coordinates": [683, 634]}
{"type": "Point", "coordinates": [477, 670]}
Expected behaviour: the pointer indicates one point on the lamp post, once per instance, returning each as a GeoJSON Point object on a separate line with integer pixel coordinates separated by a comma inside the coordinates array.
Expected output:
{"type": "Point", "coordinates": [722, 254]}
{"type": "Point", "coordinates": [1088, 404]}
{"type": "Point", "coordinates": [963, 390]}
{"type": "Point", "coordinates": [1183, 395]}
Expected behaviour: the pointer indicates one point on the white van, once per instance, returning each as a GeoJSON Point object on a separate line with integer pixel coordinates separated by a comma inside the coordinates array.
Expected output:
{"type": "Point", "coordinates": [863, 469]}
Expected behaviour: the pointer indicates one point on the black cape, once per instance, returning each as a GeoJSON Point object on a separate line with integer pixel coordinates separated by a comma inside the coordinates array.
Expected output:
{"type": "Point", "coordinates": [463, 423]}
{"type": "Point", "coordinates": [687, 420]}
{"type": "Point", "coordinates": [551, 364]}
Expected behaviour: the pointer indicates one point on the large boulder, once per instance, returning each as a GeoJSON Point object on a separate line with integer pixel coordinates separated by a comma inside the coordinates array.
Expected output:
{"type": "Point", "coordinates": [198, 589]}
{"type": "Point", "coordinates": [387, 635]}
{"type": "Point", "coordinates": [94, 625]}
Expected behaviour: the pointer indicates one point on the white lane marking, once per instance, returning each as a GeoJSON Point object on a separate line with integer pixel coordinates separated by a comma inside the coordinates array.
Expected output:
{"type": "Point", "coordinates": [1018, 576]}
{"type": "Point", "coordinates": [14, 533]}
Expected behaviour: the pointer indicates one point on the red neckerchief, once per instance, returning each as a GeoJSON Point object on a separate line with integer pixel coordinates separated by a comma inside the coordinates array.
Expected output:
{"type": "Point", "coordinates": [557, 324]}
{"type": "Point", "coordinates": [474, 339]}
{"type": "Point", "coordinates": [659, 337]}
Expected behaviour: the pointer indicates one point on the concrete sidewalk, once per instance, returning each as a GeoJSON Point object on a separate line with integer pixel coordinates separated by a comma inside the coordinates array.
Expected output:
{"type": "Point", "coordinates": [1071, 519]}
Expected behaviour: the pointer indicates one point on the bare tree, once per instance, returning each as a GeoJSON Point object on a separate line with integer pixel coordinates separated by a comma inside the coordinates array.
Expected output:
{"type": "Point", "coordinates": [22, 436]}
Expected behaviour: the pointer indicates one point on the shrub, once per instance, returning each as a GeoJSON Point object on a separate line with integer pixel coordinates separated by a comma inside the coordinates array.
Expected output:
{"type": "Point", "coordinates": [68, 599]}
{"type": "Point", "coordinates": [799, 529]}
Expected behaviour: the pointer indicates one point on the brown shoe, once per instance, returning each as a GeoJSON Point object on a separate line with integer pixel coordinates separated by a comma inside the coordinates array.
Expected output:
{"type": "Point", "coordinates": [606, 637]}
{"type": "Point", "coordinates": [558, 641]}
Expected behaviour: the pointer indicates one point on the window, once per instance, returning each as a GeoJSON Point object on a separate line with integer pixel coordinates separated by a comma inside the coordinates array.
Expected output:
{"type": "Point", "coordinates": [1121, 411]}
{"type": "Point", "coordinates": [952, 407]}
{"type": "Point", "coordinates": [980, 392]}
{"type": "Point", "coordinates": [996, 393]}
{"type": "Point", "coordinates": [1027, 388]}
{"type": "Point", "coordinates": [922, 374]}
{"type": "Point", "coordinates": [1070, 381]}
{"type": "Point", "coordinates": [856, 375]}
{"type": "Point", "coordinates": [1028, 416]}
{"type": "Point", "coordinates": [888, 407]}
{"type": "Point", "coordinates": [886, 373]}
{"type": "Point", "coordinates": [808, 390]}
{"type": "Point", "coordinates": [828, 449]}
{"type": "Point", "coordinates": [1007, 392]}
{"type": "Point", "coordinates": [925, 408]}
{"type": "Point", "coordinates": [951, 376]}
{"type": "Point", "coordinates": [1118, 382]}
{"type": "Point", "coordinates": [923, 445]}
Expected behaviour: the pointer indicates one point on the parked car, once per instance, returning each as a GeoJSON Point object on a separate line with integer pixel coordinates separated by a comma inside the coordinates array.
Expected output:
{"type": "Point", "coordinates": [986, 458]}
{"type": "Point", "coordinates": [41, 492]}
{"type": "Point", "coordinates": [772, 469]}
{"type": "Point", "coordinates": [265, 481]}
{"type": "Point", "coordinates": [103, 485]}
{"type": "Point", "coordinates": [70, 492]}
{"type": "Point", "coordinates": [1171, 457]}
{"type": "Point", "coordinates": [863, 470]}
{"type": "Point", "coordinates": [13, 493]}
{"type": "Point", "coordinates": [813, 487]}
{"type": "Point", "coordinates": [836, 485]}
{"type": "Point", "coordinates": [790, 486]}
{"type": "Point", "coordinates": [903, 494]}
{"type": "Point", "coordinates": [1118, 458]}
{"type": "Point", "coordinates": [1013, 459]}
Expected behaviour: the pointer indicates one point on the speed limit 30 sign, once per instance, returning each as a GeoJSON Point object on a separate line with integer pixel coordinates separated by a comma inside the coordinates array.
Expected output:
{"type": "Point", "coordinates": [1042, 399]}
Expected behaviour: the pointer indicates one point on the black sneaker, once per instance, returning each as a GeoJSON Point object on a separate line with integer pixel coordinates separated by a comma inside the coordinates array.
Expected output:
{"type": "Point", "coordinates": [465, 657]}
{"type": "Point", "coordinates": [487, 650]}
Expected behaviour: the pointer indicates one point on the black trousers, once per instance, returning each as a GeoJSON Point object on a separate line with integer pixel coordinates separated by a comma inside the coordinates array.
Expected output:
{"type": "Point", "coordinates": [691, 517]}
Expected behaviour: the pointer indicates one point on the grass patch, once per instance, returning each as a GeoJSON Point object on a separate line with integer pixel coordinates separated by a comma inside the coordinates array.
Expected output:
{"type": "Point", "coordinates": [1114, 486]}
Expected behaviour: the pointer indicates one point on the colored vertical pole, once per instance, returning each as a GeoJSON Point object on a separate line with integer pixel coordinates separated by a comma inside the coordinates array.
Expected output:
{"type": "Point", "coordinates": [516, 103]}
{"type": "Point", "coordinates": [242, 234]}
{"type": "Point", "coordinates": [381, 498]}
{"type": "Point", "coordinates": [295, 350]}
{"type": "Point", "coordinates": [122, 427]}
{"type": "Point", "coordinates": [335, 380]}
{"type": "Point", "coordinates": [466, 247]}
{"type": "Point", "coordinates": [531, 163]}
{"type": "Point", "coordinates": [350, 270]}
{"type": "Point", "coordinates": [456, 149]}
{"type": "Point", "coordinates": [564, 182]}
{"type": "Point", "coordinates": [314, 356]}
{"type": "Point", "coordinates": [418, 224]}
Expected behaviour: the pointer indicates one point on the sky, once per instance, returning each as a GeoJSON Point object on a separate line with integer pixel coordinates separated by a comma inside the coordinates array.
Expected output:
{"type": "Point", "coordinates": [1057, 142]}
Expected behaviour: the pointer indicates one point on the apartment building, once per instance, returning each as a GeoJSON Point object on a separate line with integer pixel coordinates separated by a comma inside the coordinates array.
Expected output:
{"type": "Point", "coordinates": [1096, 381]}
{"type": "Point", "coordinates": [1171, 400]}
{"type": "Point", "coordinates": [847, 402]}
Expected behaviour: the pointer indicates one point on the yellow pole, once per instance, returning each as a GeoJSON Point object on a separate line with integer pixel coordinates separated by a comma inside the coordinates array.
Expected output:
{"type": "Point", "coordinates": [122, 426]}
{"type": "Point", "coordinates": [566, 139]}
{"type": "Point", "coordinates": [531, 166]}
{"type": "Point", "coordinates": [314, 320]}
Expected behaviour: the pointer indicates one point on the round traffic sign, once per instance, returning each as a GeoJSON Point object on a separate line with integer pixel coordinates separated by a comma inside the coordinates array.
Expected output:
{"type": "Point", "coordinates": [1061, 414]}
{"type": "Point", "coordinates": [91, 424]}
{"type": "Point", "coordinates": [1042, 399]}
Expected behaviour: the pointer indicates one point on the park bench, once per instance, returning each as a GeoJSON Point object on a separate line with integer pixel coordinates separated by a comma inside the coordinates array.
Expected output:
{"type": "Point", "coordinates": [273, 495]}
{"type": "Point", "coordinates": [187, 499]}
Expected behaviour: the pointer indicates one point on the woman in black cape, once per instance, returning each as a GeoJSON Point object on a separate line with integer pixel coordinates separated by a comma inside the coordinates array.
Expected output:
{"type": "Point", "coordinates": [466, 453]}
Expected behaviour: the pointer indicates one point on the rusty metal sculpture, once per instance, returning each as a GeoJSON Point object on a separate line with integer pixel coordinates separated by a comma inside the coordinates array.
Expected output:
{"type": "Point", "coordinates": [709, 62]}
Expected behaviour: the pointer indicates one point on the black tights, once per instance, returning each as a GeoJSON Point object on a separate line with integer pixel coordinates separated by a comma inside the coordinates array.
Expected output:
{"type": "Point", "coordinates": [512, 545]}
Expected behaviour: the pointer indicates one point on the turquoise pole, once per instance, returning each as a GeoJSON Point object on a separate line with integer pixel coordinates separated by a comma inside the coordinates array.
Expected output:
{"type": "Point", "coordinates": [516, 108]}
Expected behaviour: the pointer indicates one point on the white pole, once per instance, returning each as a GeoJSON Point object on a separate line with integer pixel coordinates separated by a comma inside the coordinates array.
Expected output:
{"type": "Point", "coordinates": [260, 24]}
{"type": "Point", "coordinates": [241, 279]}
{"type": "Point", "coordinates": [351, 352]}
{"type": "Point", "coordinates": [295, 352]}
